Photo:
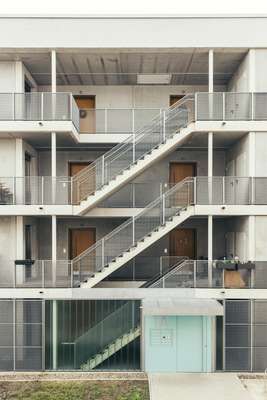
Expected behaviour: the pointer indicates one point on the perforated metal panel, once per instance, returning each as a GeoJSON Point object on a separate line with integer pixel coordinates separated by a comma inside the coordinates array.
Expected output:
{"type": "Point", "coordinates": [21, 339]}
{"type": "Point", "coordinates": [245, 327]}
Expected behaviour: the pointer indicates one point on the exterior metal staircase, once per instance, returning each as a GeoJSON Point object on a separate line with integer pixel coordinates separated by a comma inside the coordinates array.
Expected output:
{"type": "Point", "coordinates": [135, 235]}
{"type": "Point", "coordinates": [131, 157]}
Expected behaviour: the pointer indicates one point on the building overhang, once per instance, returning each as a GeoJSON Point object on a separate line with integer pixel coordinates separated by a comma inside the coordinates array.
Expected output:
{"type": "Point", "coordinates": [174, 306]}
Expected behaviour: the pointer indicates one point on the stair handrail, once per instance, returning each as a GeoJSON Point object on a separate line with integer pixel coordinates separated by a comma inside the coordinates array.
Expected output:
{"type": "Point", "coordinates": [173, 270]}
{"type": "Point", "coordinates": [128, 222]}
{"type": "Point", "coordinates": [159, 276]}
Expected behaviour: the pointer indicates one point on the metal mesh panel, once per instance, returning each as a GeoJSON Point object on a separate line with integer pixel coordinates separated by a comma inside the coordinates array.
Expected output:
{"type": "Point", "coordinates": [260, 312]}
{"type": "Point", "coordinates": [260, 106]}
{"type": "Point", "coordinates": [209, 106]}
{"type": "Point", "coordinates": [237, 312]}
{"type": "Point", "coordinates": [24, 351]}
{"type": "Point", "coordinates": [237, 336]}
{"type": "Point", "coordinates": [259, 358]}
{"type": "Point", "coordinates": [237, 359]}
{"type": "Point", "coordinates": [7, 108]}
{"type": "Point", "coordinates": [260, 335]}
{"type": "Point", "coordinates": [238, 106]}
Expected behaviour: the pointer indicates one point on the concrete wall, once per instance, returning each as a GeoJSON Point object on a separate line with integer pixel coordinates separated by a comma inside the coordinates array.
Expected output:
{"type": "Point", "coordinates": [237, 158]}
{"type": "Point", "coordinates": [237, 237]}
{"type": "Point", "coordinates": [260, 238]}
{"type": "Point", "coordinates": [240, 80]}
{"type": "Point", "coordinates": [8, 248]}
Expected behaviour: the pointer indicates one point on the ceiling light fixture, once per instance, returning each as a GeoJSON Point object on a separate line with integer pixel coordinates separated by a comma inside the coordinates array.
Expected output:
{"type": "Point", "coordinates": [154, 79]}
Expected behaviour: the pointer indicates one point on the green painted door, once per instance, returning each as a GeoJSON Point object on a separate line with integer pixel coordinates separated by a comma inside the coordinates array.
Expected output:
{"type": "Point", "coordinates": [178, 344]}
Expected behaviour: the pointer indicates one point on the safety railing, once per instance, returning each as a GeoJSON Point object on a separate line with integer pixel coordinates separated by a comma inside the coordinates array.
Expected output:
{"type": "Point", "coordinates": [35, 190]}
{"type": "Point", "coordinates": [230, 106]}
{"type": "Point", "coordinates": [36, 106]}
{"type": "Point", "coordinates": [43, 274]}
{"type": "Point", "coordinates": [115, 120]}
{"type": "Point", "coordinates": [132, 231]}
{"type": "Point", "coordinates": [217, 190]}
{"type": "Point", "coordinates": [135, 147]}
{"type": "Point", "coordinates": [231, 190]}
{"type": "Point", "coordinates": [228, 274]}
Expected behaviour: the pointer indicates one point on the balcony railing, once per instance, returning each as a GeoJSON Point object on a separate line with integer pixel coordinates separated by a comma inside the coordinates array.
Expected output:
{"type": "Point", "coordinates": [217, 190]}
{"type": "Point", "coordinates": [161, 272]}
{"type": "Point", "coordinates": [116, 120]}
{"type": "Point", "coordinates": [225, 274]}
{"type": "Point", "coordinates": [37, 106]}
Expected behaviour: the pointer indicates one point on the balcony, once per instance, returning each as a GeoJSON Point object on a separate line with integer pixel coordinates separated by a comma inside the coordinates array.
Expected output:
{"type": "Point", "coordinates": [151, 272]}
{"type": "Point", "coordinates": [40, 107]}
{"type": "Point", "coordinates": [217, 190]}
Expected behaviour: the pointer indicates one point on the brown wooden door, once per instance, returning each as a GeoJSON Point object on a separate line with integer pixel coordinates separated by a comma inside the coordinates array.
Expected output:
{"type": "Point", "coordinates": [174, 98]}
{"type": "Point", "coordinates": [182, 242]}
{"type": "Point", "coordinates": [179, 171]}
{"type": "Point", "coordinates": [80, 239]}
{"type": "Point", "coordinates": [86, 105]}
{"type": "Point", "coordinates": [81, 186]}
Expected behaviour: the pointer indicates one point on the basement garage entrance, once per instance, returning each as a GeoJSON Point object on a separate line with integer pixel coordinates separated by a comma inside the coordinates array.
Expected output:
{"type": "Point", "coordinates": [180, 334]}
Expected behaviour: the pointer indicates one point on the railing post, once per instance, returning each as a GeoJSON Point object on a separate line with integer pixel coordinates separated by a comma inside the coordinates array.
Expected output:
{"type": "Point", "coordinates": [133, 147]}
{"type": "Point", "coordinates": [133, 120]}
{"type": "Point", "coordinates": [223, 190]}
{"type": "Point", "coordinates": [195, 274]}
{"type": "Point", "coordinates": [103, 170]}
{"type": "Point", "coordinates": [71, 274]}
{"type": "Point", "coordinates": [164, 126]}
{"type": "Point", "coordinates": [13, 107]}
{"type": "Point", "coordinates": [14, 189]}
{"type": "Point", "coordinates": [103, 252]}
{"type": "Point", "coordinates": [223, 105]}
{"type": "Point", "coordinates": [43, 272]}
{"type": "Point", "coordinates": [42, 190]}
{"type": "Point", "coordinates": [195, 190]}
{"type": "Point", "coordinates": [71, 190]}
{"type": "Point", "coordinates": [42, 106]}
{"type": "Point", "coordinates": [71, 108]}
{"type": "Point", "coordinates": [196, 110]}
{"type": "Point", "coordinates": [163, 209]}
{"type": "Point", "coordinates": [133, 195]}
{"type": "Point", "coordinates": [252, 190]}
{"type": "Point", "coordinates": [252, 106]}
{"type": "Point", "coordinates": [15, 276]}
{"type": "Point", "coordinates": [133, 232]}
{"type": "Point", "coordinates": [106, 120]}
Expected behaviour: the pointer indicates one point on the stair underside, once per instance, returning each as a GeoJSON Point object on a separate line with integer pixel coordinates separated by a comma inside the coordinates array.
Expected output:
{"type": "Point", "coordinates": [111, 349]}
{"type": "Point", "coordinates": [141, 246]}
{"type": "Point", "coordinates": [129, 174]}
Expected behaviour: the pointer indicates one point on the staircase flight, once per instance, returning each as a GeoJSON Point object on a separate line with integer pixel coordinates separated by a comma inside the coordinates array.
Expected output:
{"type": "Point", "coordinates": [130, 158]}
{"type": "Point", "coordinates": [135, 235]}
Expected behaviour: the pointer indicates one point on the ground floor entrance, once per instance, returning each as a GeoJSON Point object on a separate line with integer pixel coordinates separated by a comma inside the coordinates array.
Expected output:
{"type": "Point", "coordinates": [178, 343]}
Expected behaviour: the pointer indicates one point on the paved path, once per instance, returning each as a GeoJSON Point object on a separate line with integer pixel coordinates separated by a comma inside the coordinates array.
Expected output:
{"type": "Point", "coordinates": [216, 386]}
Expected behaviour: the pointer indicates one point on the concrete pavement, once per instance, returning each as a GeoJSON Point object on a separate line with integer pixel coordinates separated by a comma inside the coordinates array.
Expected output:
{"type": "Point", "coordinates": [195, 386]}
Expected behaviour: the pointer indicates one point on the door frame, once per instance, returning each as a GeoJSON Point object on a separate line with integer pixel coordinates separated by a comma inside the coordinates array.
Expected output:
{"type": "Point", "coordinates": [194, 163]}
{"type": "Point", "coordinates": [79, 228]}
{"type": "Point", "coordinates": [195, 241]}
{"type": "Point", "coordinates": [77, 162]}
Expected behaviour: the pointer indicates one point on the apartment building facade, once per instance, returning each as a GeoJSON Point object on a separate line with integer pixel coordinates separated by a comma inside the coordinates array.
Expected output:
{"type": "Point", "coordinates": [133, 193]}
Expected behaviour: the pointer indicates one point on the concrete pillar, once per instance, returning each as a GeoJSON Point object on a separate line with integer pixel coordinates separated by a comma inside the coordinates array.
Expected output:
{"type": "Point", "coordinates": [210, 248]}
{"type": "Point", "coordinates": [54, 307]}
{"type": "Point", "coordinates": [211, 72]}
{"type": "Point", "coordinates": [53, 72]}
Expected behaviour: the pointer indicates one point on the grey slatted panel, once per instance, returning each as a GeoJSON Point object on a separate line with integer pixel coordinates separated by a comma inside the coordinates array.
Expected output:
{"type": "Point", "coordinates": [237, 336]}
{"type": "Point", "coordinates": [28, 358]}
{"type": "Point", "coordinates": [237, 312]}
{"type": "Point", "coordinates": [6, 358]}
{"type": "Point", "coordinates": [259, 358]}
{"type": "Point", "coordinates": [260, 312]}
{"type": "Point", "coordinates": [28, 335]}
{"type": "Point", "coordinates": [237, 359]}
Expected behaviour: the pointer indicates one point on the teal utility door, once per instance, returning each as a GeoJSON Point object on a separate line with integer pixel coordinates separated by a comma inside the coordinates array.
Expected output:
{"type": "Point", "coordinates": [178, 344]}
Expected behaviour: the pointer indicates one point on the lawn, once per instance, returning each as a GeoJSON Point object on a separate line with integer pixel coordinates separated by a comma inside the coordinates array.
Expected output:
{"type": "Point", "coordinates": [73, 390]}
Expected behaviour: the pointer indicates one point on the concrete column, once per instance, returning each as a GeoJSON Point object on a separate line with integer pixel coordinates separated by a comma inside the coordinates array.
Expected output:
{"type": "Point", "coordinates": [210, 164]}
{"type": "Point", "coordinates": [54, 218]}
{"type": "Point", "coordinates": [210, 248]}
{"type": "Point", "coordinates": [53, 71]}
{"type": "Point", "coordinates": [54, 307]}
{"type": "Point", "coordinates": [211, 72]}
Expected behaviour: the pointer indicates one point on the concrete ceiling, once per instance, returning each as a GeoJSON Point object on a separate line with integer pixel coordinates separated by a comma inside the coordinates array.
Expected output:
{"type": "Point", "coordinates": [113, 67]}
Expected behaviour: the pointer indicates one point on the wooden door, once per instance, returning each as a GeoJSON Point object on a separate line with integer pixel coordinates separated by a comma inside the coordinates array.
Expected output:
{"type": "Point", "coordinates": [182, 243]}
{"type": "Point", "coordinates": [179, 171]}
{"type": "Point", "coordinates": [174, 98]}
{"type": "Point", "coordinates": [80, 239]}
{"type": "Point", "coordinates": [86, 105]}
{"type": "Point", "coordinates": [81, 186]}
